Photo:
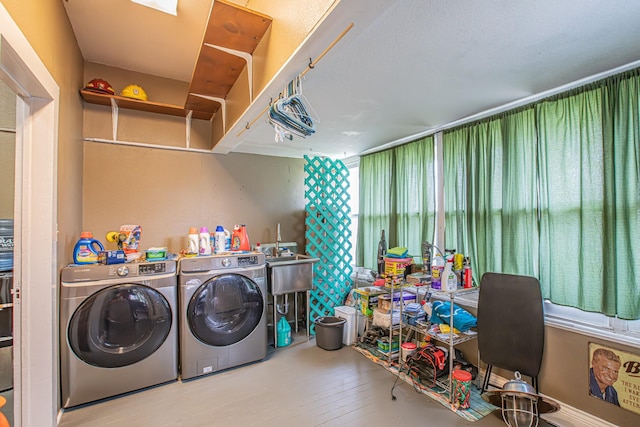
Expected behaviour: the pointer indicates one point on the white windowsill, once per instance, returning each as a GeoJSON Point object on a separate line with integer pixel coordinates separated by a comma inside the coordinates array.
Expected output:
{"type": "Point", "coordinates": [568, 323]}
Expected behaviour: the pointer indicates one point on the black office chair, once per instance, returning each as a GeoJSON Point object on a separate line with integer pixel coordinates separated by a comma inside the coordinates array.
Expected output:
{"type": "Point", "coordinates": [510, 324]}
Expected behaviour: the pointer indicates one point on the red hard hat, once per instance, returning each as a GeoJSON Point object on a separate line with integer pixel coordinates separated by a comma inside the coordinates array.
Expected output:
{"type": "Point", "coordinates": [100, 86]}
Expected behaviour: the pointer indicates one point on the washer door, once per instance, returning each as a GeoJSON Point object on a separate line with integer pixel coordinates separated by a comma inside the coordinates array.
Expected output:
{"type": "Point", "coordinates": [119, 326]}
{"type": "Point", "coordinates": [225, 309]}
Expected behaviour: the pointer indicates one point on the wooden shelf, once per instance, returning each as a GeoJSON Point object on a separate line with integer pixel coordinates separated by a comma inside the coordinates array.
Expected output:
{"type": "Point", "coordinates": [231, 27]}
{"type": "Point", "coordinates": [134, 104]}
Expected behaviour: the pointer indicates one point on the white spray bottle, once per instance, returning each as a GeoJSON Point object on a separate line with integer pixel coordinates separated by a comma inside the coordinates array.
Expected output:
{"type": "Point", "coordinates": [449, 278]}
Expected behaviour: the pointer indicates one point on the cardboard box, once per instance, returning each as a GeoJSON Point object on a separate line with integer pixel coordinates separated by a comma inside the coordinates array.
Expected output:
{"type": "Point", "coordinates": [384, 301]}
{"type": "Point", "coordinates": [111, 257]}
{"type": "Point", "coordinates": [383, 319]}
{"type": "Point", "coordinates": [368, 299]}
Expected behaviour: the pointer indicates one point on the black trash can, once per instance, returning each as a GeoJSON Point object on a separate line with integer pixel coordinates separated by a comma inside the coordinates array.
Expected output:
{"type": "Point", "coordinates": [329, 331]}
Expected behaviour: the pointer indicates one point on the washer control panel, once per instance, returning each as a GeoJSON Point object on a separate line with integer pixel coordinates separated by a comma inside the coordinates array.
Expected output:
{"type": "Point", "coordinates": [94, 272]}
{"type": "Point", "coordinates": [154, 268]}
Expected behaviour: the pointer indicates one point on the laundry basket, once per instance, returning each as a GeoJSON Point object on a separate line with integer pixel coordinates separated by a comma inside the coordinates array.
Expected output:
{"type": "Point", "coordinates": [329, 331]}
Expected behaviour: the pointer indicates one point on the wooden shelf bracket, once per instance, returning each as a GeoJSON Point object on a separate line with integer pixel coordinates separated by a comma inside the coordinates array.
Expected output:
{"type": "Point", "coordinates": [221, 101]}
{"type": "Point", "coordinates": [244, 55]}
{"type": "Point", "coordinates": [114, 119]}
{"type": "Point", "coordinates": [188, 129]}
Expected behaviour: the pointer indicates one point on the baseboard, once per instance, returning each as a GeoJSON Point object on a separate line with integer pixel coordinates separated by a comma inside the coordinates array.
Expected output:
{"type": "Point", "coordinates": [567, 416]}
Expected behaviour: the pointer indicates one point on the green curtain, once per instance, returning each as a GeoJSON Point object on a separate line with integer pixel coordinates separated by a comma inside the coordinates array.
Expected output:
{"type": "Point", "coordinates": [396, 195]}
{"type": "Point", "coordinates": [455, 147]}
{"type": "Point", "coordinates": [415, 195]}
{"type": "Point", "coordinates": [622, 198]}
{"type": "Point", "coordinates": [552, 190]}
{"type": "Point", "coordinates": [571, 203]}
{"type": "Point", "coordinates": [520, 241]}
{"type": "Point", "coordinates": [375, 210]}
{"type": "Point", "coordinates": [590, 188]}
{"type": "Point", "coordinates": [491, 193]}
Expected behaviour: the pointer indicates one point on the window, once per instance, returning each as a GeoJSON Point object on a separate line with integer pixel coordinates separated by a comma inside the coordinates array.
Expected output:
{"type": "Point", "coordinates": [552, 190]}
{"type": "Point", "coordinates": [397, 195]}
{"type": "Point", "coordinates": [166, 6]}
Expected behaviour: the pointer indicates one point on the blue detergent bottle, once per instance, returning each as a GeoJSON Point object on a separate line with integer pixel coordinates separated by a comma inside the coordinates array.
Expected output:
{"type": "Point", "coordinates": [284, 332]}
{"type": "Point", "coordinates": [87, 249]}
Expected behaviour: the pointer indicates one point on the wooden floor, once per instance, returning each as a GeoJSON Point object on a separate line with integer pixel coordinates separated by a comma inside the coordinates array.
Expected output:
{"type": "Point", "coordinates": [299, 385]}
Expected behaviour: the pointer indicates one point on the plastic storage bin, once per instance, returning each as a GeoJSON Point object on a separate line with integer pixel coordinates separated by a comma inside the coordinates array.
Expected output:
{"type": "Point", "coordinates": [329, 332]}
{"type": "Point", "coordinates": [383, 344]}
{"type": "Point", "coordinates": [349, 314]}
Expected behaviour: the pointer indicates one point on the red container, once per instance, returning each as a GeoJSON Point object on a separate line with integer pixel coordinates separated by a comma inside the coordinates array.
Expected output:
{"type": "Point", "coordinates": [467, 281]}
{"type": "Point", "coordinates": [461, 385]}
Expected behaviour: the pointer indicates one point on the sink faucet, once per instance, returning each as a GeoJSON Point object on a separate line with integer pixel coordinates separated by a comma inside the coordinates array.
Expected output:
{"type": "Point", "coordinates": [278, 239]}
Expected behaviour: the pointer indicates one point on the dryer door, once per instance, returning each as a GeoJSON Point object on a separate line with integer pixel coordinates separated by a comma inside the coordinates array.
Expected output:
{"type": "Point", "coordinates": [119, 325]}
{"type": "Point", "coordinates": [225, 309]}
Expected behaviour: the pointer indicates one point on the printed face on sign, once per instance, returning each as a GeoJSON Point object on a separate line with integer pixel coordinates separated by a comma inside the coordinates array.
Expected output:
{"type": "Point", "coordinates": [606, 371]}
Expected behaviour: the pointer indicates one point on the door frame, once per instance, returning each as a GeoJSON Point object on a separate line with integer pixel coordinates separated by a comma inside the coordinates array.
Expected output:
{"type": "Point", "coordinates": [35, 228]}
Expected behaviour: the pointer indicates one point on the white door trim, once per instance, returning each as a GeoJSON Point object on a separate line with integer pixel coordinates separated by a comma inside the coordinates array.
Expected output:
{"type": "Point", "coordinates": [35, 228]}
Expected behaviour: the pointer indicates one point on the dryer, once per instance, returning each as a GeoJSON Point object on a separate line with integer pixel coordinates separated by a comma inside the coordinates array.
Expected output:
{"type": "Point", "coordinates": [223, 312]}
{"type": "Point", "coordinates": [118, 329]}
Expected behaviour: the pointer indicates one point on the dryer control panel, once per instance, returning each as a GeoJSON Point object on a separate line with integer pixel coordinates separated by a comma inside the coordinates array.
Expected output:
{"type": "Point", "coordinates": [245, 261]}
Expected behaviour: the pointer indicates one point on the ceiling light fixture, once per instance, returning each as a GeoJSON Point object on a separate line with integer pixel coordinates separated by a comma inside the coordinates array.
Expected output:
{"type": "Point", "coordinates": [166, 6]}
{"type": "Point", "coordinates": [351, 133]}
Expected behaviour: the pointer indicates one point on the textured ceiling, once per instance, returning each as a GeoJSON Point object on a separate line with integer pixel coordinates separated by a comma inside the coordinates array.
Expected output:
{"type": "Point", "coordinates": [405, 68]}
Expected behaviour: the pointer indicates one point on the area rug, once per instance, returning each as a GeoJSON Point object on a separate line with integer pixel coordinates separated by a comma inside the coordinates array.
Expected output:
{"type": "Point", "coordinates": [478, 407]}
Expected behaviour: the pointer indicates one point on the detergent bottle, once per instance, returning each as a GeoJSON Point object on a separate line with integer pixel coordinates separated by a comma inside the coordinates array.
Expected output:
{"type": "Point", "coordinates": [227, 240]}
{"type": "Point", "coordinates": [437, 269]}
{"type": "Point", "coordinates": [284, 332]}
{"type": "Point", "coordinates": [193, 241]}
{"type": "Point", "coordinates": [220, 239]}
{"type": "Point", "coordinates": [240, 239]}
{"type": "Point", "coordinates": [87, 249]}
{"type": "Point", "coordinates": [205, 241]}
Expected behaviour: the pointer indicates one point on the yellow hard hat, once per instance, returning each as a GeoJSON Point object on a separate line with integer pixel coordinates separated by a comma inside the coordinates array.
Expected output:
{"type": "Point", "coordinates": [135, 92]}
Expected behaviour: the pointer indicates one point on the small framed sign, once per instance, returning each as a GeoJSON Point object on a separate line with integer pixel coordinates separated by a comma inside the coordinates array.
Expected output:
{"type": "Point", "coordinates": [614, 376]}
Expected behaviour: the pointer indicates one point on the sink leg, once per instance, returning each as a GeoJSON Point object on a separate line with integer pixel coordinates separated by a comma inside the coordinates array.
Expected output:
{"type": "Point", "coordinates": [307, 317]}
{"type": "Point", "coordinates": [275, 321]}
{"type": "Point", "coordinates": [295, 307]}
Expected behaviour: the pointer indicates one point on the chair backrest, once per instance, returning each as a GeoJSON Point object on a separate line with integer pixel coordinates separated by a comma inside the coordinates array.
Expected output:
{"type": "Point", "coordinates": [511, 322]}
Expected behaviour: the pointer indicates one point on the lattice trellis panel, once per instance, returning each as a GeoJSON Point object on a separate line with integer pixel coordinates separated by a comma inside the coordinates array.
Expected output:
{"type": "Point", "coordinates": [328, 233]}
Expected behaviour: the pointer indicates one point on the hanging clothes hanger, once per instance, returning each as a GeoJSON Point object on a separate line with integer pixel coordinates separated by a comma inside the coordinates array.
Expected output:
{"type": "Point", "coordinates": [289, 115]}
{"type": "Point", "coordinates": [280, 131]}
{"type": "Point", "coordinates": [304, 100]}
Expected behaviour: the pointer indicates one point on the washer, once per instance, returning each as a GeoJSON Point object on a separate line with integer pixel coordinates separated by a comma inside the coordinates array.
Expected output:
{"type": "Point", "coordinates": [118, 329]}
{"type": "Point", "coordinates": [223, 312]}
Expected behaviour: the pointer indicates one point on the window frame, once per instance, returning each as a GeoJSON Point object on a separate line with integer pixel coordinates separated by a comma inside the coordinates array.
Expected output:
{"type": "Point", "coordinates": [571, 319]}
{"type": "Point", "coordinates": [592, 324]}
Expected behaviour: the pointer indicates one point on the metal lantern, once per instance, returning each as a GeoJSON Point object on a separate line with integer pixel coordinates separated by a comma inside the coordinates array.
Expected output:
{"type": "Point", "coordinates": [519, 403]}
